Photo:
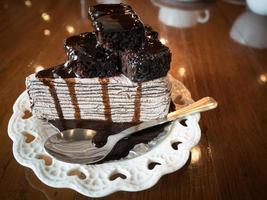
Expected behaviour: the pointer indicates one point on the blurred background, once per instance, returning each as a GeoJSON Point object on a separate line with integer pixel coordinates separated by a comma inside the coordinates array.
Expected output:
{"type": "Point", "coordinates": [41, 26]}
{"type": "Point", "coordinates": [219, 49]}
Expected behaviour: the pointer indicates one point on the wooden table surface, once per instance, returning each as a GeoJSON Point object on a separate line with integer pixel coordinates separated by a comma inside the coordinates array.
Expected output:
{"type": "Point", "coordinates": [230, 160]}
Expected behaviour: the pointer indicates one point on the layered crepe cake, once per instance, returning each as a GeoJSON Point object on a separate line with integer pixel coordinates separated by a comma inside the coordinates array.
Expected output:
{"type": "Point", "coordinates": [116, 73]}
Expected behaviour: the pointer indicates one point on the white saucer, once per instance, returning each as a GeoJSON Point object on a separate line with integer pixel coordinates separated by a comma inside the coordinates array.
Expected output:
{"type": "Point", "coordinates": [136, 173]}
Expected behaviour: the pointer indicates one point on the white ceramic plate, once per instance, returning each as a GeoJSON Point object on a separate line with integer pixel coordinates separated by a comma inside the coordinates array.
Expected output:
{"type": "Point", "coordinates": [140, 170]}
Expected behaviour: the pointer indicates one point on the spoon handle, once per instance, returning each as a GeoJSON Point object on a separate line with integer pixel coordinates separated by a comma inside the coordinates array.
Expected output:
{"type": "Point", "coordinates": [204, 104]}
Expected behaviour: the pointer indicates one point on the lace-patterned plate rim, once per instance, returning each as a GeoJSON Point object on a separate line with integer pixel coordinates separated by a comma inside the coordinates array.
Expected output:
{"type": "Point", "coordinates": [132, 174]}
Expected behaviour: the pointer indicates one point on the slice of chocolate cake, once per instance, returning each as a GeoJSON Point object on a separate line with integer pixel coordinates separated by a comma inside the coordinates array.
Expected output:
{"type": "Point", "coordinates": [116, 74]}
{"type": "Point", "coordinates": [117, 26]}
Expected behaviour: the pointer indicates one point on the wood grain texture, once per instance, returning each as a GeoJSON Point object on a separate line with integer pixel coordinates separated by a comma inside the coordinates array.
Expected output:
{"type": "Point", "coordinates": [230, 160]}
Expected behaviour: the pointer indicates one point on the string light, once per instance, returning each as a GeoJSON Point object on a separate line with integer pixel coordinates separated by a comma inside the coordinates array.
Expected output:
{"type": "Point", "coordinates": [70, 29]}
{"type": "Point", "coordinates": [195, 154]}
{"type": "Point", "coordinates": [182, 71]}
{"type": "Point", "coordinates": [45, 16]}
{"type": "Point", "coordinates": [47, 32]}
{"type": "Point", "coordinates": [28, 3]}
{"type": "Point", "coordinates": [263, 78]}
{"type": "Point", "coordinates": [38, 68]}
{"type": "Point", "coordinates": [163, 41]}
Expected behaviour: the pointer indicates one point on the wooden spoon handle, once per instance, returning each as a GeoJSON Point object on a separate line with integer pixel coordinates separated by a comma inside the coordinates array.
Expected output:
{"type": "Point", "coordinates": [204, 104]}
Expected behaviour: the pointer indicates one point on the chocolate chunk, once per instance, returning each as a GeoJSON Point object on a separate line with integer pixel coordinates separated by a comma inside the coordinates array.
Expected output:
{"type": "Point", "coordinates": [150, 62]}
{"type": "Point", "coordinates": [88, 60]}
{"type": "Point", "coordinates": [117, 26]}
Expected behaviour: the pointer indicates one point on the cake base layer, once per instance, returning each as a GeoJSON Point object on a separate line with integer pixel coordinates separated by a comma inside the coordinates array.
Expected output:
{"type": "Point", "coordinates": [114, 99]}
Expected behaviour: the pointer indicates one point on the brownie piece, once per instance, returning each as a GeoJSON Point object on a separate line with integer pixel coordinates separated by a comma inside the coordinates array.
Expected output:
{"type": "Point", "coordinates": [150, 62]}
{"type": "Point", "coordinates": [87, 59]}
{"type": "Point", "coordinates": [117, 26]}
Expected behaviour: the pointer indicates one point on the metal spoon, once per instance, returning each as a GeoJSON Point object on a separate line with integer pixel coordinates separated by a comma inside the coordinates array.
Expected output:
{"type": "Point", "coordinates": [76, 146]}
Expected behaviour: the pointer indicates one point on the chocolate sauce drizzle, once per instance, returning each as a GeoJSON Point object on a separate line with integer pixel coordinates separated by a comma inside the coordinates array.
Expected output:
{"type": "Point", "coordinates": [53, 93]}
{"type": "Point", "coordinates": [105, 129]}
{"type": "Point", "coordinates": [72, 92]}
{"type": "Point", "coordinates": [105, 98]}
{"type": "Point", "coordinates": [137, 103]}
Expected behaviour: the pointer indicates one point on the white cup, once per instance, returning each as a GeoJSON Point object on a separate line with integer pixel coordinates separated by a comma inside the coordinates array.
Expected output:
{"type": "Point", "coordinates": [182, 18]}
{"type": "Point", "coordinates": [258, 6]}
{"type": "Point", "coordinates": [250, 29]}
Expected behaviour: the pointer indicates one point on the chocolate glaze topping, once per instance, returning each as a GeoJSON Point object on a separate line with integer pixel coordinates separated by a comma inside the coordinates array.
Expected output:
{"type": "Point", "coordinates": [137, 103]}
{"type": "Point", "coordinates": [114, 23]}
{"type": "Point", "coordinates": [71, 87]}
{"type": "Point", "coordinates": [83, 43]}
{"type": "Point", "coordinates": [113, 17]}
{"type": "Point", "coordinates": [86, 59]}
{"type": "Point", "coordinates": [53, 93]}
{"type": "Point", "coordinates": [56, 72]}
{"type": "Point", "coordinates": [108, 9]}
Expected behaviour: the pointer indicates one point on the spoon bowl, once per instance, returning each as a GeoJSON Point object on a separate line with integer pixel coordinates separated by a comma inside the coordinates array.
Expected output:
{"type": "Point", "coordinates": [77, 134]}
